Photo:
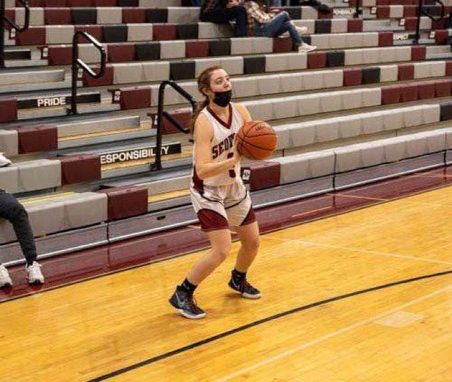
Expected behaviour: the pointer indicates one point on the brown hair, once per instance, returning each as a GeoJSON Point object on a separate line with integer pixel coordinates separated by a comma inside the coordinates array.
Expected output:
{"type": "Point", "coordinates": [203, 84]}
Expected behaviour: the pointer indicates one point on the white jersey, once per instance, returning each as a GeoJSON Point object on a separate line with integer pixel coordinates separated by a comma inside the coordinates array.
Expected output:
{"type": "Point", "coordinates": [222, 147]}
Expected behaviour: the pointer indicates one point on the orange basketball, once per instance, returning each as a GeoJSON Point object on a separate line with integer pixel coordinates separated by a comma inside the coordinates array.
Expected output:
{"type": "Point", "coordinates": [256, 140]}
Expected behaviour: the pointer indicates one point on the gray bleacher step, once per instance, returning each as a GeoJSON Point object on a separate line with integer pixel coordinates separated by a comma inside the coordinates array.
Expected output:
{"type": "Point", "coordinates": [382, 25]}
{"type": "Point", "coordinates": [173, 177]}
{"type": "Point", "coordinates": [25, 63]}
{"type": "Point", "coordinates": [107, 138]}
{"type": "Point", "coordinates": [19, 77]}
{"type": "Point", "coordinates": [60, 112]}
{"type": "Point", "coordinates": [63, 85]}
{"type": "Point", "coordinates": [97, 125]}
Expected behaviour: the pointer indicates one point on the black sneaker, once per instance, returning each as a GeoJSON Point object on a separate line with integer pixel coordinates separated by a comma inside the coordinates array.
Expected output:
{"type": "Point", "coordinates": [245, 289]}
{"type": "Point", "coordinates": [185, 303]}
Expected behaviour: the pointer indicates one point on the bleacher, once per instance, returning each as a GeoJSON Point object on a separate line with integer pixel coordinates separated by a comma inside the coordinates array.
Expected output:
{"type": "Point", "coordinates": [368, 104]}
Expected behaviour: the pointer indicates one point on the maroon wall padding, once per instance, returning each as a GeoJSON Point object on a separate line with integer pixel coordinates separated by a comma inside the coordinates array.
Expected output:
{"type": "Point", "coordinates": [264, 175]}
{"type": "Point", "coordinates": [59, 55]}
{"type": "Point", "coordinates": [32, 36]}
{"type": "Point", "coordinates": [448, 68]}
{"type": "Point", "coordinates": [37, 138]}
{"type": "Point", "coordinates": [408, 92]}
{"type": "Point", "coordinates": [196, 48]}
{"type": "Point", "coordinates": [410, 11]}
{"type": "Point", "coordinates": [410, 23]}
{"type": "Point", "coordinates": [57, 16]}
{"type": "Point", "coordinates": [82, 3]}
{"type": "Point", "coordinates": [181, 116]}
{"type": "Point", "coordinates": [441, 36]}
{"type": "Point", "coordinates": [126, 201]}
{"type": "Point", "coordinates": [383, 12]}
{"type": "Point", "coordinates": [282, 45]}
{"type": "Point", "coordinates": [135, 97]}
{"type": "Point", "coordinates": [316, 60]}
{"type": "Point", "coordinates": [354, 25]}
{"type": "Point", "coordinates": [121, 52]}
{"type": "Point", "coordinates": [442, 88]}
{"type": "Point", "coordinates": [93, 30]}
{"type": "Point", "coordinates": [164, 32]}
{"type": "Point", "coordinates": [406, 72]}
{"type": "Point", "coordinates": [390, 94]}
{"type": "Point", "coordinates": [426, 90]}
{"type": "Point", "coordinates": [418, 53]}
{"type": "Point", "coordinates": [105, 80]}
{"type": "Point", "coordinates": [80, 168]}
{"type": "Point", "coordinates": [353, 77]}
{"type": "Point", "coordinates": [133, 15]}
{"type": "Point", "coordinates": [385, 39]}
{"type": "Point", "coordinates": [8, 109]}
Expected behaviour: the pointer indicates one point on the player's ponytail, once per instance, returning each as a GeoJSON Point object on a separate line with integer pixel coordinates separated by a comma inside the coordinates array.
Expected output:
{"type": "Point", "coordinates": [203, 84]}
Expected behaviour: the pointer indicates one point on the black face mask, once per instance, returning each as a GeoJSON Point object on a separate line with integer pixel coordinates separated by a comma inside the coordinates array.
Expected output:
{"type": "Point", "coordinates": [223, 98]}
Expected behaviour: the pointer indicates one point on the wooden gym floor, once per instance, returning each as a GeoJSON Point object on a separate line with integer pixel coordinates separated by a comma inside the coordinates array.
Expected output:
{"type": "Point", "coordinates": [362, 296]}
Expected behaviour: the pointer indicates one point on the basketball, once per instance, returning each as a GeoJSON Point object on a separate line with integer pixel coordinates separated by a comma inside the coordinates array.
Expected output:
{"type": "Point", "coordinates": [256, 140]}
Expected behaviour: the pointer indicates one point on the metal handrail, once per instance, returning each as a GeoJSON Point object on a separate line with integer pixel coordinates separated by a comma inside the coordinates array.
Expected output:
{"type": "Point", "coordinates": [421, 11]}
{"type": "Point", "coordinates": [77, 62]}
{"type": "Point", "coordinates": [6, 20]}
{"type": "Point", "coordinates": [157, 165]}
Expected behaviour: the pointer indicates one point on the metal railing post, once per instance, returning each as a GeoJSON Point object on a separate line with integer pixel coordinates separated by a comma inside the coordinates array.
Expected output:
{"type": "Point", "coordinates": [77, 62]}
{"type": "Point", "coordinates": [157, 165]}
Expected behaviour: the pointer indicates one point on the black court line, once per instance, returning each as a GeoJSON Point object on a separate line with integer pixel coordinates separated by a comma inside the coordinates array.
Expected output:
{"type": "Point", "coordinates": [260, 322]}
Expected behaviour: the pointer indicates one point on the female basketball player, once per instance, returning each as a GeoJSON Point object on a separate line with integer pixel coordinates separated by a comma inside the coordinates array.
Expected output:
{"type": "Point", "coordinates": [218, 195]}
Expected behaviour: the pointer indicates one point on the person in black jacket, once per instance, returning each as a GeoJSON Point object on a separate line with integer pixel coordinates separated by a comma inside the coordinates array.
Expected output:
{"type": "Point", "coordinates": [224, 11]}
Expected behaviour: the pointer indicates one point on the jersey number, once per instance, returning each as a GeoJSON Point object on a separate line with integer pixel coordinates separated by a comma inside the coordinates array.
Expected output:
{"type": "Point", "coordinates": [231, 171]}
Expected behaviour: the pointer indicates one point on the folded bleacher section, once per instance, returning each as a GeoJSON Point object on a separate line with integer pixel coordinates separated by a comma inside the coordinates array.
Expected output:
{"type": "Point", "coordinates": [367, 105]}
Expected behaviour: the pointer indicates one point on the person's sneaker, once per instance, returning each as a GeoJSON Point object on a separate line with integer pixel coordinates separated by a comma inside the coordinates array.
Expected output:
{"type": "Point", "coordinates": [34, 274]}
{"type": "Point", "coordinates": [4, 161]}
{"type": "Point", "coordinates": [185, 303]}
{"type": "Point", "coordinates": [5, 279]}
{"type": "Point", "coordinates": [301, 30]}
{"type": "Point", "coordinates": [305, 48]}
{"type": "Point", "coordinates": [245, 289]}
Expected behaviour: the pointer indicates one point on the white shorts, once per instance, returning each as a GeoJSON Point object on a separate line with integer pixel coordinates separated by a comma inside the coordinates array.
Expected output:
{"type": "Point", "coordinates": [220, 206]}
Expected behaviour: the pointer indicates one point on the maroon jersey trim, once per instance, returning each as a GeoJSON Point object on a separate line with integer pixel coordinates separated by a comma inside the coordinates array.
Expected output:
{"type": "Point", "coordinates": [227, 125]}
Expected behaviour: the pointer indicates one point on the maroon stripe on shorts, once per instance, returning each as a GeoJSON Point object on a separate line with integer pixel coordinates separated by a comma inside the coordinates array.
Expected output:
{"type": "Point", "coordinates": [211, 220]}
{"type": "Point", "coordinates": [250, 218]}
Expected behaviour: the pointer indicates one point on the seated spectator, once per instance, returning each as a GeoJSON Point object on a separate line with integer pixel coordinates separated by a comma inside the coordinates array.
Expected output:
{"type": "Point", "coordinates": [261, 23]}
{"type": "Point", "coordinates": [224, 11]}
{"type": "Point", "coordinates": [13, 211]}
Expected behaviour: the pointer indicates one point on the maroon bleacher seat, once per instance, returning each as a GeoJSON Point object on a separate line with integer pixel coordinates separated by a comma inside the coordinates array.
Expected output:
{"type": "Point", "coordinates": [426, 90]}
{"type": "Point", "coordinates": [163, 32]}
{"type": "Point", "coordinates": [8, 109]}
{"type": "Point", "coordinates": [264, 174]}
{"type": "Point", "coordinates": [126, 201]}
{"type": "Point", "coordinates": [390, 94]}
{"type": "Point", "coordinates": [282, 45]}
{"type": "Point", "coordinates": [353, 76]}
{"type": "Point", "coordinates": [406, 72]}
{"type": "Point", "coordinates": [121, 52]}
{"type": "Point", "coordinates": [37, 138]}
{"type": "Point", "coordinates": [316, 60]}
{"type": "Point", "coordinates": [80, 168]}
{"type": "Point", "coordinates": [385, 38]}
{"type": "Point", "coordinates": [196, 48]}
{"type": "Point", "coordinates": [105, 80]}
{"type": "Point", "coordinates": [408, 92]}
{"type": "Point", "coordinates": [418, 53]}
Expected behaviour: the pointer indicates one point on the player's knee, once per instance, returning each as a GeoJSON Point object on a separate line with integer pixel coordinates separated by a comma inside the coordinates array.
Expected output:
{"type": "Point", "coordinates": [252, 244]}
{"type": "Point", "coordinates": [222, 253]}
